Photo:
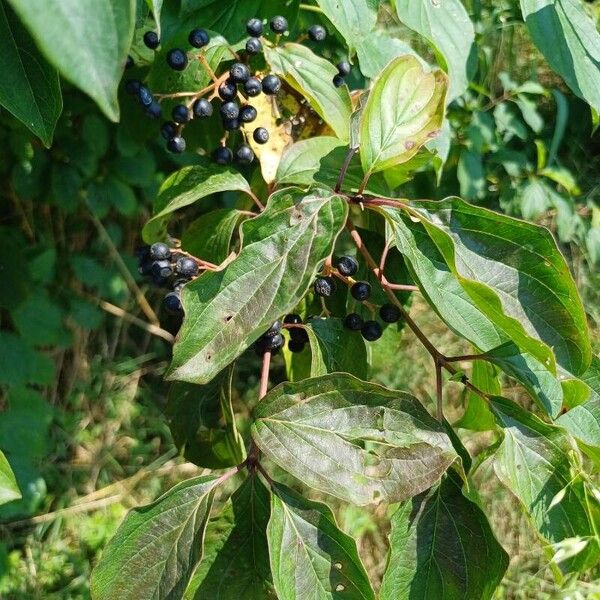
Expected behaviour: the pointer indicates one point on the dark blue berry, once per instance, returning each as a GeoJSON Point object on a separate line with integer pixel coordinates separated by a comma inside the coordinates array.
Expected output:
{"type": "Point", "coordinates": [186, 267]}
{"type": "Point", "coordinates": [172, 302]}
{"type": "Point", "coordinates": [176, 145]}
{"type": "Point", "coordinates": [145, 96]}
{"type": "Point", "coordinates": [180, 113]}
{"type": "Point", "coordinates": [353, 321]}
{"type": "Point", "coordinates": [253, 46]}
{"type": "Point", "coordinates": [275, 328]}
{"type": "Point", "coordinates": [317, 33]}
{"type": "Point", "coordinates": [273, 343]}
{"type": "Point", "coordinates": [198, 38]}
{"type": "Point", "coordinates": [244, 154]}
{"type": "Point", "coordinates": [389, 313]}
{"type": "Point", "coordinates": [371, 331]}
{"type": "Point", "coordinates": [132, 86]}
{"type": "Point", "coordinates": [160, 251]}
{"type": "Point", "coordinates": [324, 286]}
{"type": "Point", "coordinates": [279, 24]}
{"type": "Point", "coordinates": [338, 81]}
{"type": "Point", "coordinates": [260, 135]}
{"type": "Point", "coordinates": [344, 68]}
{"type": "Point", "coordinates": [202, 108]}
{"type": "Point", "coordinates": [347, 265]}
{"type": "Point", "coordinates": [271, 84]}
{"type": "Point", "coordinates": [230, 110]}
{"type": "Point", "coordinates": [228, 90]}
{"type": "Point", "coordinates": [248, 113]}
{"type": "Point", "coordinates": [361, 291]}
{"type": "Point", "coordinates": [162, 268]}
{"type": "Point", "coordinates": [292, 319]}
{"type": "Point", "coordinates": [239, 73]}
{"type": "Point", "coordinates": [154, 111]}
{"type": "Point", "coordinates": [177, 59]}
{"type": "Point", "coordinates": [254, 27]}
{"type": "Point", "coordinates": [168, 130]}
{"type": "Point", "coordinates": [222, 155]}
{"type": "Point", "coordinates": [151, 40]}
{"type": "Point", "coordinates": [231, 124]}
{"type": "Point", "coordinates": [253, 87]}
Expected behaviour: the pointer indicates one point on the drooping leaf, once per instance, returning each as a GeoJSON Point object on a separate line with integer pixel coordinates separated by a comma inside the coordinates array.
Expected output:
{"type": "Point", "coordinates": [312, 77]}
{"type": "Point", "coordinates": [228, 310]}
{"type": "Point", "coordinates": [477, 415]}
{"type": "Point", "coordinates": [186, 186]}
{"type": "Point", "coordinates": [9, 490]}
{"type": "Point", "coordinates": [355, 440]}
{"type": "Point", "coordinates": [442, 546]}
{"type": "Point", "coordinates": [447, 27]}
{"type": "Point", "coordinates": [235, 565]}
{"type": "Point", "coordinates": [375, 51]}
{"type": "Point", "coordinates": [310, 556]}
{"type": "Point", "coordinates": [156, 548]}
{"type": "Point", "coordinates": [86, 40]}
{"type": "Point", "coordinates": [534, 461]}
{"type": "Point", "coordinates": [569, 40]}
{"type": "Point", "coordinates": [404, 110]}
{"type": "Point", "coordinates": [29, 86]}
{"type": "Point", "coordinates": [155, 6]}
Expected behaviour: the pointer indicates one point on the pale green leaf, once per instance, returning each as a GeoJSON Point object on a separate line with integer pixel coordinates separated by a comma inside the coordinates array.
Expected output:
{"type": "Point", "coordinates": [9, 490]}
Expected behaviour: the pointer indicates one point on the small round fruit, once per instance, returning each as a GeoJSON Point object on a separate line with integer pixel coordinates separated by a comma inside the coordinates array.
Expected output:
{"type": "Point", "coordinates": [162, 268]}
{"type": "Point", "coordinates": [279, 24]}
{"type": "Point", "coordinates": [198, 38]}
{"type": "Point", "coordinates": [129, 62]}
{"type": "Point", "coordinates": [176, 145]}
{"type": "Point", "coordinates": [202, 108]}
{"type": "Point", "coordinates": [324, 286]}
{"type": "Point", "coordinates": [154, 111]}
{"type": "Point", "coordinates": [145, 96]}
{"type": "Point", "coordinates": [296, 345]}
{"type": "Point", "coordinates": [230, 110]}
{"type": "Point", "coordinates": [132, 86]}
{"type": "Point", "coordinates": [347, 265]}
{"type": "Point", "coordinates": [254, 27]}
{"type": "Point", "coordinates": [353, 321]}
{"type": "Point", "coordinates": [172, 302]}
{"type": "Point", "coordinates": [344, 68]}
{"type": "Point", "coordinates": [231, 124]}
{"type": "Point", "coordinates": [227, 90]}
{"type": "Point", "coordinates": [160, 251]}
{"type": "Point", "coordinates": [361, 291]}
{"type": "Point", "coordinates": [271, 84]}
{"type": "Point", "coordinates": [389, 313]}
{"type": "Point", "coordinates": [244, 154]}
{"type": "Point", "coordinates": [222, 155]}
{"type": "Point", "coordinates": [253, 87]}
{"type": "Point", "coordinates": [168, 130]}
{"type": "Point", "coordinates": [317, 33]}
{"type": "Point", "coordinates": [177, 59]}
{"type": "Point", "coordinates": [186, 267]}
{"type": "Point", "coordinates": [180, 113]}
{"type": "Point", "coordinates": [338, 81]}
{"type": "Point", "coordinates": [239, 73]}
{"type": "Point", "coordinates": [371, 331]}
{"type": "Point", "coordinates": [248, 113]}
{"type": "Point", "coordinates": [151, 40]}
{"type": "Point", "coordinates": [273, 343]}
{"type": "Point", "coordinates": [253, 46]}
{"type": "Point", "coordinates": [275, 328]}
{"type": "Point", "coordinates": [292, 319]}
{"type": "Point", "coordinates": [260, 135]}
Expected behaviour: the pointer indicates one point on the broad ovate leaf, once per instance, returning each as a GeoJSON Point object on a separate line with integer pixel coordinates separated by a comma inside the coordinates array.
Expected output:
{"type": "Point", "coordinates": [157, 547]}
{"type": "Point", "coordinates": [312, 77]}
{"type": "Point", "coordinates": [282, 249]}
{"type": "Point", "coordinates": [355, 440]}
{"type": "Point", "coordinates": [442, 546]}
{"type": "Point", "coordinates": [86, 40]}
{"type": "Point", "coordinates": [445, 24]}
{"type": "Point", "coordinates": [9, 490]}
{"type": "Point", "coordinates": [310, 556]}
{"type": "Point", "coordinates": [404, 111]}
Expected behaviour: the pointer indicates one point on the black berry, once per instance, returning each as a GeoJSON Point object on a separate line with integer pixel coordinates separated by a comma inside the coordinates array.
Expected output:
{"type": "Point", "coordinates": [154, 111]}
{"type": "Point", "coordinates": [253, 46]}
{"type": "Point", "coordinates": [273, 343]}
{"type": "Point", "coordinates": [279, 24]}
{"type": "Point", "coordinates": [239, 73]}
{"type": "Point", "coordinates": [260, 135]}
{"type": "Point", "coordinates": [248, 113]}
{"type": "Point", "coordinates": [344, 68]}
{"type": "Point", "coordinates": [324, 286]}
{"type": "Point", "coordinates": [145, 96]}
{"type": "Point", "coordinates": [292, 319]}
{"type": "Point", "coordinates": [361, 291]}
{"type": "Point", "coordinates": [230, 110]}
{"type": "Point", "coordinates": [172, 302]}
{"type": "Point", "coordinates": [338, 81]}
{"type": "Point", "coordinates": [186, 267]}
{"type": "Point", "coordinates": [254, 27]}
{"type": "Point", "coordinates": [132, 86]}
{"type": "Point", "coordinates": [222, 155]}
{"type": "Point", "coordinates": [168, 130]}
{"type": "Point", "coordinates": [275, 328]}
{"type": "Point", "coordinates": [198, 38]}
{"type": "Point", "coordinates": [244, 154]}
{"type": "Point", "coordinates": [296, 345]}
{"type": "Point", "coordinates": [180, 113]}
{"type": "Point", "coordinates": [162, 268]}
{"type": "Point", "coordinates": [347, 265]}
{"type": "Point", "coordinates": [176, 145]}
{"type": "Point", "coordinates": [231, 124]}
{"type": "Point", "coordinates": [228, 90]}
{"type": "Point", "coordinates": [151, 40]}
{"type": "Point", "coordinates": [271, 84]}
{"type": "Point", "coordinates": [202, 108]}
{"type": "Point", "coordinates": [160, 251]}
{"type": "Point", "coordinates": [317, 33]}
{"type": "Point", "coordinates": [253, 87]}
{"type": "Point", "coordinates": [353, 321]}
{"type": "Point", "coordinates": [371, 331]}
{"type": "Point", "coordinates": [177, 59]}
{"type": "Point", "coordinates": [389, 313]}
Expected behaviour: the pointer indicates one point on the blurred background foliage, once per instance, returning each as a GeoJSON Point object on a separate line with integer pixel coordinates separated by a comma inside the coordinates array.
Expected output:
{"type": "Point", "coordinates": [81, 390]}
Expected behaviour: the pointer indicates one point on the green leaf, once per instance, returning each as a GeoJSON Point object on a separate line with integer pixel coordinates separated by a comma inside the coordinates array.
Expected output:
{"type": "Point", "coordinates": [155, 6]}
{"type": "Point", "coordinates": [566, 35]}
{"type": "Point", "coordinates": [156, 548]}
{"type": "Point", "coordinates": [477, 415]}
{"type": "Point", "coordinates": [355, 440]}
{"type": "Point", "coordinates": [87, 40]}
{"type": "Point", "coordinates": [376, 50]}
{"type": "Point", "coordinates": [312, 77]}
{"type": "Point", "coordinates": [9, 490]}
{"type": "Point", "coordinates": [404, 111]}
{"type": "Point", "coordinates": [442, 546]}
{"type": "Point", "coordinates": [447, 27]}
{"type": "Point", "coordinates": [186, 186]}
{"type": "Point", "coordinates": [29, 87]}
{"type": "Point", "coordinates": [226, 311]}
{"type": "Point", "coordinates": [354, 19]}
{"type": "Point", "coordinates": [471, 175]}
{"type": "Point", "coordinates": [310, 556]}
{"type": "Point", "coordinates": [533, 462]}
{"type": "Point", "coordinates": [236, 561]}
{"type": "Point", "coordinates": [202, 423]}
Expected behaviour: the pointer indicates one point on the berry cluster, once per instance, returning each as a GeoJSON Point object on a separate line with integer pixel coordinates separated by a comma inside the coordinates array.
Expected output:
{"type": "Point", "coordinates": [344, 69]}
{"type": "Point", "coordinates": [167, 268]}
{"type": "Point", "coordinates": [371, 330]}
{"type": "Point", "coordinates": [273, 340]}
